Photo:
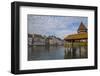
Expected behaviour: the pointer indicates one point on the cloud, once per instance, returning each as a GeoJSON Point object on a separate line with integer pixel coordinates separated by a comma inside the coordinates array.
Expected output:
{"type": "Point", "coordinates": [54, 25]}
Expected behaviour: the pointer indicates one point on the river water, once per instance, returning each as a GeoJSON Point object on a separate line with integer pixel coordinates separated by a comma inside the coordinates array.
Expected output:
{"type": "Point", "coordinates": [56, 52]}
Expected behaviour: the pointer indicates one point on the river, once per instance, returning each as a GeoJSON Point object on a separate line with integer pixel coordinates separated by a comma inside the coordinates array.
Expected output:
{"type": "Point", "coordinates": [56, 52]}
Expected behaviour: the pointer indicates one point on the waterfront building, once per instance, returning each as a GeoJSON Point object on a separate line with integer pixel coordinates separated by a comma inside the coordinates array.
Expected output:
{"type": "Point", "coordinates": [53, 40]}
{"type": "Point", "coordinates": [38, 39]}
{"type": "Point", "coordinates": [29, 39]}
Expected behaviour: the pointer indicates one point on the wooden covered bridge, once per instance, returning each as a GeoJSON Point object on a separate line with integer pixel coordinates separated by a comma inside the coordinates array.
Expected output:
{"type": "Point", "coordinates": [80, 38]}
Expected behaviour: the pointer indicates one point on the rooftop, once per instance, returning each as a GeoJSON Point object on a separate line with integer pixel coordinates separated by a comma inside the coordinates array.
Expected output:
{"type": "Point", "coordinates": [82, 27]}
{"type": "Point", "coordinates": [76, 36]}
{"type": "Point", "coordinates": [82, 33]}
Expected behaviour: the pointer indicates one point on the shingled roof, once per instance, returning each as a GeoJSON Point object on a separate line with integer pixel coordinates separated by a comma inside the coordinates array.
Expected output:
{"type": "Point", "coordinates": [82, 28]}
{"type": "Point", "coordinates": [76, 36]}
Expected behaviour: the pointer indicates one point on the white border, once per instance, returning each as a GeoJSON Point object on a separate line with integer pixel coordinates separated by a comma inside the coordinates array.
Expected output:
{"type": "Point", "coordinates": [26, 65]}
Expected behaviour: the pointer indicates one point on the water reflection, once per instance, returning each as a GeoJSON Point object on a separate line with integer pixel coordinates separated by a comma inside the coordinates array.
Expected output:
{"type": "Point", "coordinates": [76, 52]}
{"type": "Point", "coordinates": [56, 52]}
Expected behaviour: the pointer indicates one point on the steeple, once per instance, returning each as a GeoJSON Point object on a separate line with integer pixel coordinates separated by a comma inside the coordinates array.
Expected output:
{"type": "Point", "coordinates": [82, 28]}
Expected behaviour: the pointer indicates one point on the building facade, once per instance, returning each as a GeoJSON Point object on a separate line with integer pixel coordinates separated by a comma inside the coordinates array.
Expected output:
{"type": "Point", "coordinates": [36, 39]}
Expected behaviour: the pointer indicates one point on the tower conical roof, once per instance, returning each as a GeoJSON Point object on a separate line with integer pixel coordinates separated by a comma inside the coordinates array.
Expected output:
{"type": "Point", "coordinates": [82, 28]}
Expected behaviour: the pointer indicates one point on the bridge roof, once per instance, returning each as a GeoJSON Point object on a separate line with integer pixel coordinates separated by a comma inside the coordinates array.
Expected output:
{"type": "Point", "coordinates": [78, 36]}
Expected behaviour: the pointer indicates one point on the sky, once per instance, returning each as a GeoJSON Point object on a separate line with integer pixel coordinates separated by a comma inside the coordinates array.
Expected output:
{"type": "Point", "coordinates": [59, 26]}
